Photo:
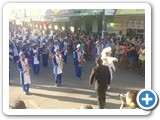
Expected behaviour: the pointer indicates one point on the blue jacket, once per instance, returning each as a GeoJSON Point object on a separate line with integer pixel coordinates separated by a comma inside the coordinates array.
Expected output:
{"type": "Point", "coordinates": [95, 52]}
{"type": "Point", "coordinates": [32, 55]}
{"type": "Point", "coordinates": [55, 64]}
{"type": "Point", "coordinates": [75, 57]}
{"type": "Point", "coordinates": [19, 66]}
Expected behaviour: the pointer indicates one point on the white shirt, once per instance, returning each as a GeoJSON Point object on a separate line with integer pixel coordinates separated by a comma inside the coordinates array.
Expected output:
{"type": "Point", "coordinates": [98, 50]}
{"type": "Point", "coordinates": [56, 46]}
{"type": "Point", "coordinates": [36, 61]}
{"type": "Point", "coordinates": [28, 41]}
{"type": "Point", "coordinates": [15, 51]}
{"type": "Point", "coordinates": [80, 54]}
{"type": "Point", "coordinates": [59, 69]}
{"type": "Point", "coordinates": [26, 75]}
{"type": "Point", "coordinates": [109, 62]}
{"type": "Point", "coordinates": [65, 45]}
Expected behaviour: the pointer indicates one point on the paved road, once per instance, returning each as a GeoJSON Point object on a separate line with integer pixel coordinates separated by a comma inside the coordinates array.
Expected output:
{"type": "Point", "coordinates": [74, 93]}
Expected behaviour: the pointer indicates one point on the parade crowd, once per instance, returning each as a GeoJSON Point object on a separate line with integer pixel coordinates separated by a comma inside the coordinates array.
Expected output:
{"type": "Point", "coordinates": [31, 47]}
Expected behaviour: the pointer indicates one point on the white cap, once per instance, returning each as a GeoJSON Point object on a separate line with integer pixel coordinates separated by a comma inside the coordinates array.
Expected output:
{"type": "Point", "coordinates": [21, 53]}
{"type": "Point", "coordinates": [34, 44]}
{"type": "Point", "coordinates": [97, 41]}
{"type": "Point", "coordinates": [55, 40]}
{"type": "Point", "coordinates": [107, 50]}
{"type": "Point", "coordinates": [78, 46]}
{"type": "Point", "coordinates": [24, 43]}
{"type": "Point", "coordinates": [56, 49]}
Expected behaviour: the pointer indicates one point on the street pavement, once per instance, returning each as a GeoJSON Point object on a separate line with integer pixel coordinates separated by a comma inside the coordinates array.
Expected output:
{"type": "Point", "coordinates": [74, 93]}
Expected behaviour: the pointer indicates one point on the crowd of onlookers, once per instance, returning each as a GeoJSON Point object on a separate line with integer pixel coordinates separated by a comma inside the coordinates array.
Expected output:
{"type": "Point", "coordinates": [130, 52]}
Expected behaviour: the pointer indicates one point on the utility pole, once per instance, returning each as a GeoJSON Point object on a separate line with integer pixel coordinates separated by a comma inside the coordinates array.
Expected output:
{"type": "Point", "coordinates": [103, 23]}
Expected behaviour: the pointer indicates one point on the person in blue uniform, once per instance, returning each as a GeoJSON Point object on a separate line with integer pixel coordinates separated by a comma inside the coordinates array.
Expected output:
{"type": "Point", "coordinates": [25, 50]}
{"type": "Point", "coordinates": [45, 55]}
{"type": "Point", "coordinates": [15, 53]}
{"type": "Point", "coordinates": [78, 59]}
{"type": "Point", "coordinates": [65, 53]}
{"type": "Point", "coordinates": [23, 68]}
{"type": "Point", "coordinates": [57, 67]}
{"type": "Point", "coordinates": [55, 46]}
{"type": "Point", "coordinates": [35, 58]}
{"type": "Point", "coordinates": [97, 50]}
{"type": "Point", "coordinates": [11, 46]}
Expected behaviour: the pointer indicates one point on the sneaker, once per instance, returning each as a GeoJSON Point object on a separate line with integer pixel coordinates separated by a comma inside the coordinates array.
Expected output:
{"type": "Point", "coordinates": [77, 78]}
{"type": "Point", "coordinates": [56, 85]}
{"type": "Point", "coordinates": [109, 87]}
{"type": "Point", "coordinates": [28, 93]}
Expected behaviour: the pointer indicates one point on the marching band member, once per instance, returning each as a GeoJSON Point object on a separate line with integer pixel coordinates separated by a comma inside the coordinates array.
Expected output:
{"type": "Point", "coordinates": [55, 46]}
{"type": "Point", "coordinates": [97, 50]}
{"type": "Point", "coordinates": [57, 67]}
{"type": "Point", "coordinates": [15, 53]}
{"type": "Point", "coordinates": [65, 52]}
{"type": "Point", "coordinates": [45, 54]}
{"type": "Point", "coordinates": [108, 61]}
{"type": "Point", "coordinates": [25, 50]}
{"type": "Point", "coordinates": [23, 68]}
{"type": "Point", "coordinates": [11, 46]}
{"type": "Point", "coordinates": [78, 59]}
{"type": "Point", "coordinates": [35, 59]}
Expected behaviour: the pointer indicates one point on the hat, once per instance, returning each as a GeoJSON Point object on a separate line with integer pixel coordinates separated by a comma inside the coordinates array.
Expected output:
{"type": "Point", "coordinates": [97, 41]}
{"type": "Point", "coordinates": [78, 46]}
{"type": "Point", "coordinates": [56, 49]}
{"type": "Point", "coordinates": [55, 40]}
{"type": "Point", "coordinates": [34, 44]}
{"type": "Point", "coordinates": [107, 50]}
{"type": "Point", "coordinates": [24, 44]}
{"type": "Point", "coordinates": [43, 43]}
{"type": "Point", "coordinates": [21, 53]}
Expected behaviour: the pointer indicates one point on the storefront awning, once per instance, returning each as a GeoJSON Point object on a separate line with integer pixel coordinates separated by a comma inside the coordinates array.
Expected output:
{"type": "Point", "coordinates": [129, 11]}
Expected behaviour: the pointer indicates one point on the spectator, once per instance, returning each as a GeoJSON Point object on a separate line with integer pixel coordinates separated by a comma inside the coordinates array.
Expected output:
{"type": "Point", "coordinates": [131, 54]}
{"type": "Point", "coordinates": [141, 53]}
{"type": "Point", "coordinates": [86, 107]}
{"type": "Point", "coordinates": [18, 104]}
{"type": "Point", "coordinates": [128, 101]}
